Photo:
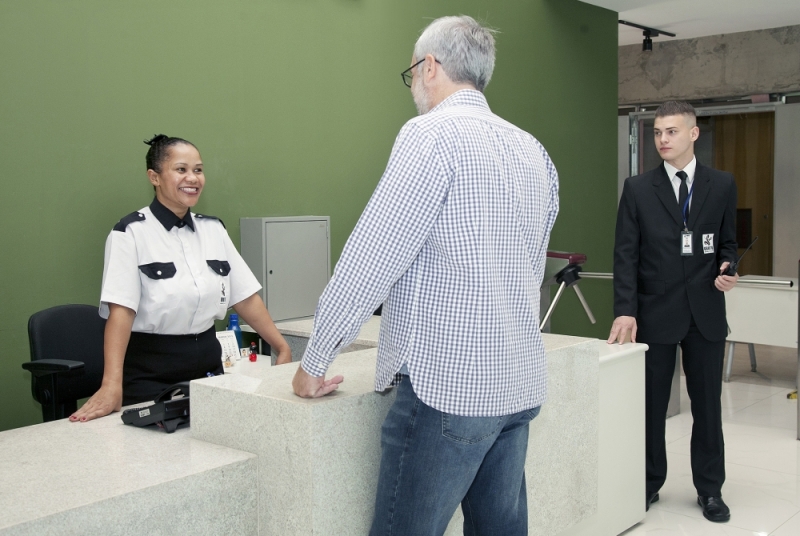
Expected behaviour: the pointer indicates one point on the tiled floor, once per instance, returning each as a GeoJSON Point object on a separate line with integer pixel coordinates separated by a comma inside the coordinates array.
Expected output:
{"type": "Point", "coordinates": [762, 456]}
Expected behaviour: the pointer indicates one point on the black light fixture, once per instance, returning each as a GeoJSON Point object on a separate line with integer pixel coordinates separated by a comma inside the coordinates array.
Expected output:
{"type": "Point", "coordinates": [648, 33]}
{"type": "Point", "coordinates": [647, 44]}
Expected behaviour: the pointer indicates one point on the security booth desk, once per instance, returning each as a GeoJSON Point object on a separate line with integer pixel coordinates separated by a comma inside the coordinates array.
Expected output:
{"type": "Point", "coordinates": [259, 460]}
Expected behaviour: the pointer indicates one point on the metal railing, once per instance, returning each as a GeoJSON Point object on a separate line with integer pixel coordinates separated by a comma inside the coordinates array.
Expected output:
{"type": "Point", "coordinates": [596, 275]}
{"type": "Point", "coordinates": [788, 283]}
{"type": "Point", "coordinates": [781, 283]}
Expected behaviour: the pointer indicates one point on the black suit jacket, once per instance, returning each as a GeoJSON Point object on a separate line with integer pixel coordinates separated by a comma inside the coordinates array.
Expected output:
{"type": "Point", "coordinates": [652, 281]}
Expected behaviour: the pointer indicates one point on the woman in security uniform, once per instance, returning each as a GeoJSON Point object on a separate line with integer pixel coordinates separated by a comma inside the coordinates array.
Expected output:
{"type": "Point", "coordinates": [168, 275]}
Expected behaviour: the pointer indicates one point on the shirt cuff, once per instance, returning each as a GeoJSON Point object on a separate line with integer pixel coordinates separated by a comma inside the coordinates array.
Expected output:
{"type": "Point", "coordinates": [315, 363]}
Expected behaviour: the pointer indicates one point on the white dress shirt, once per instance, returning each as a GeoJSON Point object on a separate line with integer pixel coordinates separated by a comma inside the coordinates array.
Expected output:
{"type": "Point", "coordinates": [178, 275]}
{"type": "Point", "coordinates": [676, 181]}
{"type": "Point", "coordinates": [453, 243]}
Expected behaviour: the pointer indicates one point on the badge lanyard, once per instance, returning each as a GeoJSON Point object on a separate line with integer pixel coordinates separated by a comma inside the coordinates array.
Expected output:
{"type": "Point", "coordinates": [686, 208]}
{"type": "Point", "coordinates": [686, 234]}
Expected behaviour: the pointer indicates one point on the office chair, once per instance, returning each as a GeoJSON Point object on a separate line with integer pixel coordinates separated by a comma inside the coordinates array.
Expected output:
{"type": "Point", "coordinates": [66, 357]}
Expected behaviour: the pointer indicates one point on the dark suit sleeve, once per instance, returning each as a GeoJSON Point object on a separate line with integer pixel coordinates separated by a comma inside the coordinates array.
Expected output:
{"type": "Point", "coordinates": [626, 254]}
{"type": "Point", "coordinates": [727, 231]}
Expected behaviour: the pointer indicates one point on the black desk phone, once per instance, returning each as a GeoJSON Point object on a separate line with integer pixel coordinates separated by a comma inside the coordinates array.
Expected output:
{"type": "Point", "coordinates": [169, 410]}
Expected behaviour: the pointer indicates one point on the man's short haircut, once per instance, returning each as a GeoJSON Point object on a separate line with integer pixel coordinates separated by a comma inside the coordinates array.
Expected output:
{"type": "Point", "coordinates": [463, 47]}
{"type": "Point", "coordinates": [676, 108]}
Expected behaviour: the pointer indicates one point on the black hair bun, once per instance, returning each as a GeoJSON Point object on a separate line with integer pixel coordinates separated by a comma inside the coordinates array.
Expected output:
{"type": "Point", "coordinates": [158, 138]}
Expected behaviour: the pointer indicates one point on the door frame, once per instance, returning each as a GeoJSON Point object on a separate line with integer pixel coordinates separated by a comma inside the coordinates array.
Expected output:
{"type": "Point", "coordinates": [635, 117]}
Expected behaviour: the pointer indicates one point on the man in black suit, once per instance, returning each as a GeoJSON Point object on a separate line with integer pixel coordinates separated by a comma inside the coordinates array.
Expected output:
{"type": "Point", "coordinates": [675, 236]}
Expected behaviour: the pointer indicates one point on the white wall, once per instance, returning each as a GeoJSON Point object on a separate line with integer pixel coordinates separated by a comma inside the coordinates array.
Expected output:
{"type": "Point", "coordinates": [623, 152]}
{"type": "Point", "coordinates": [786, 211]}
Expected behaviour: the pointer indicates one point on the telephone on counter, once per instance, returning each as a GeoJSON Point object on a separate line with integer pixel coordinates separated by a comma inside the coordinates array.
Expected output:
{"type": "Point", "coordinates": [169, 410]}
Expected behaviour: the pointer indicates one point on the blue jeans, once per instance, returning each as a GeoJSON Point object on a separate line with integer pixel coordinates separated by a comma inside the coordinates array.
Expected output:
{"type": "Point", "coordinates": [431, 461]}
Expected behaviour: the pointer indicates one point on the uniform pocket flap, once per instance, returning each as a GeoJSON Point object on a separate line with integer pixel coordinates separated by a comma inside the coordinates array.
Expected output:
{"type": "Point", "coordinates": [220, 267]}
{"type": "Point", "coordinates": [652, 287]}
{"type": "Point", "coordinates": [158, 270]}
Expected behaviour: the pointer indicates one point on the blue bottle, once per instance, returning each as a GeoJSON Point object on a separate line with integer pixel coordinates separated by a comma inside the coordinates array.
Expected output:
{"type": "Point", "coordinates": [233, 325]}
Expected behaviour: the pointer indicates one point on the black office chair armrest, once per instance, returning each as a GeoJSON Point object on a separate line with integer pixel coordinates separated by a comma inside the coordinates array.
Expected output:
{"type": "Point", "coordinates": [62, 367]}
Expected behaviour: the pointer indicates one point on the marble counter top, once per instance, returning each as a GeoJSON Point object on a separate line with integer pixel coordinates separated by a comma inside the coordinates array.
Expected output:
{"type": "Point", "coordinates": [614, 352]}
{"type": "Point", "coordinates": [370, 332]}
{"type": "Point", "coordinates": [368, 335]}
{"type": "Point", "coordinates": [104, 477]}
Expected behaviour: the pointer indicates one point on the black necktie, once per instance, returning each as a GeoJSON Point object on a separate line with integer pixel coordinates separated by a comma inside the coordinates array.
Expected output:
{"type": "Point", "coordinates": [683, 192]}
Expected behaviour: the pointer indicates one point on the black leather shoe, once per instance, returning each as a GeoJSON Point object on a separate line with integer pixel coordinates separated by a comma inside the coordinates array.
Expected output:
{"type": "Point", "coordinates": [714, 509]}
{"type": "Point", "coordinates": [651, 498]}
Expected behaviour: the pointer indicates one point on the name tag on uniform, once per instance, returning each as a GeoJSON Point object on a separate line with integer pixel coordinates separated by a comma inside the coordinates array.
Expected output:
{"type": "Point", "coordinates": [686, 243]}
{"type": "Point", "coordinates": [708, 243]}
{"type": "Point", "coordinates": [223, 293]}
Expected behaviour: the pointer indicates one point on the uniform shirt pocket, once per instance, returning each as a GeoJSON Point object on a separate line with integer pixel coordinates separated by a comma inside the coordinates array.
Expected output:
{"type": "Point", "coordinates": [219, 267]}
{"type": "Point", "coordinates": [158, 270]}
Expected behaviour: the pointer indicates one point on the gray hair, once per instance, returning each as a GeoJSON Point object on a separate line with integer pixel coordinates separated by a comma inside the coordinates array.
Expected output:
{"type": "Point", "coordinates": [463, 47]}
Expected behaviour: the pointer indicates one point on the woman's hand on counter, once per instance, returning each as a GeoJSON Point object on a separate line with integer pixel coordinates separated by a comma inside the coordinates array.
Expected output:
{"type": "Point", "coordinates": [115, 342]}
{"type": "Point", "coordinates": [253, 311]}
{"type": "Point", "coordinates": [308, 386]}
{"type": "Point", "coordinates": [106, 400]}
{"type": "Point", "coordinates": [284, 356]}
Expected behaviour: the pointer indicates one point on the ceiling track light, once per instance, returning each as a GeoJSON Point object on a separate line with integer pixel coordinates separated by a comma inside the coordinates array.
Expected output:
{"type": "Point", "coordinates": [648, 33]}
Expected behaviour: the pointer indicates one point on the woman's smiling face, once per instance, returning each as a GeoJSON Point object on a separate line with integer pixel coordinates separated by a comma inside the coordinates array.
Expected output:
{"type": "Point", "coordinates": [181, 179]}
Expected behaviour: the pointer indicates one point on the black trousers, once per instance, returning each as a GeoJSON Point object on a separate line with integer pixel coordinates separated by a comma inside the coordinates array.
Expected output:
{"type": "Point", "coordinates": [702, 364]}
{"type": "Point", "coordinates": [155, 362]}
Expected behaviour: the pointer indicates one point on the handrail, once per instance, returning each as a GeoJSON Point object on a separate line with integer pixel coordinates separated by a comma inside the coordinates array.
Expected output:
{"type": "Point", "coordinates": [596, 275]}
{"type": "Point", "coordinates": [788, 283]}
{"type": "Point", "coordinates": [781, 283]}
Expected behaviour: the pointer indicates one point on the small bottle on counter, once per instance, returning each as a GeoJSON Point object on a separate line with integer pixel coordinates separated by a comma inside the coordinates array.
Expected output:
{"type": "Point", "coordinates": [233, 325]}
{"type": "Point", "coordinates": [253, 352]}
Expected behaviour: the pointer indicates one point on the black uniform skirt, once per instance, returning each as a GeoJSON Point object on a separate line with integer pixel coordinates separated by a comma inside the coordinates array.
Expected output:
{"type": "Point", "coordinates": [155, 362]}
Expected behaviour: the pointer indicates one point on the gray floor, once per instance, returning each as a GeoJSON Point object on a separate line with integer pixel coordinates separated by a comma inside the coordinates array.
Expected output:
{"type": "Point", "coordinates": [777, 366]}
{"type": "Point", "coordinates": [762, 456]}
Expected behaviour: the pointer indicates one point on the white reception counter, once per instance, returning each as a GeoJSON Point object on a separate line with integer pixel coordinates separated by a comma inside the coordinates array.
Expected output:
{"type": "Point", "coordinates": [258, 460]}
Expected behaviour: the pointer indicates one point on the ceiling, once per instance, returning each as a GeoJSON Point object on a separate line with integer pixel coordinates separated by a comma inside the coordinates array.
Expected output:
{"type": "Point", "coordinates": [698, 18]}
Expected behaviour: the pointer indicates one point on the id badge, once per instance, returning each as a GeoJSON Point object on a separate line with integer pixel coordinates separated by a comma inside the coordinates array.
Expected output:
{"type": "Point", "coordinates": [223, 293]}
{"type": "Point", "coordinates": [686, 243]}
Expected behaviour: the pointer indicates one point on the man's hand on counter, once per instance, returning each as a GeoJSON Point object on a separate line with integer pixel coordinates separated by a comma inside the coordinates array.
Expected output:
{"type": "Point", "coordinates": [106, 400]}
{"type": "Point", "coordinates": [623, 330]}
{"type": "Point", "coordinates": [308, 386]}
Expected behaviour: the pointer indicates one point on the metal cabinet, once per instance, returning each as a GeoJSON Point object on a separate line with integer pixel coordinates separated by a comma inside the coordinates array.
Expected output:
{"type": "Point", "coordinates": [291, 259]}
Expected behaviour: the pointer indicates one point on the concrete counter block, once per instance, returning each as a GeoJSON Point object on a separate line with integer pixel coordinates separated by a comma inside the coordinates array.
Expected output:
{"type": "Point", "coordinates": [318, 459]}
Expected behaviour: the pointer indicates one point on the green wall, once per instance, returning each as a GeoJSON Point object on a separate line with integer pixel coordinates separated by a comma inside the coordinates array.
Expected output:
{"type": "Point", "coordinates": [294, 105]}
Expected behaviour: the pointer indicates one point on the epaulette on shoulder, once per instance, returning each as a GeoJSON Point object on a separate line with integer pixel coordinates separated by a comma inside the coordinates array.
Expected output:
{"type": "Point", "coordinates": [127, 220]}
{"type": "Point", "coordinates": [206, 217]}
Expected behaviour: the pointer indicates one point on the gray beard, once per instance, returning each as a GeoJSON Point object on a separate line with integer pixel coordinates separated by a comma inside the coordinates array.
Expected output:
{"type": "Point", "coordinates": [421, 99]}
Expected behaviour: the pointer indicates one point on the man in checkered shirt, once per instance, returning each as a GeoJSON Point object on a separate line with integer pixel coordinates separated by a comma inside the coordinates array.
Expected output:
{"type": "Point", "coordinates": [453, 244]}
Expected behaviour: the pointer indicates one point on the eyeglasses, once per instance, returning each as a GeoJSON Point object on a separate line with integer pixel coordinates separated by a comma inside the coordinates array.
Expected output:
{"type": "Point", "coordinates": [408, 76]}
